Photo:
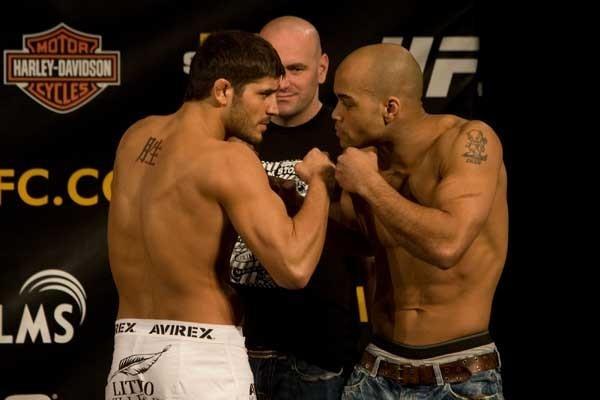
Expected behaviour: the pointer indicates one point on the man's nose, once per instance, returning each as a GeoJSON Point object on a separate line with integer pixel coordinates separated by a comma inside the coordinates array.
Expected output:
{"type": "Point", "coordinates": [284, 84]}
{"type": "Point", "coordinates": [335, 114]}
{"type": "Point", "coordinates": [272, 108]}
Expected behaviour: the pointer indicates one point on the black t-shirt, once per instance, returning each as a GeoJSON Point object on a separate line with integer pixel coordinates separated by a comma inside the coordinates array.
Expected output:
{"type": "Point", "coordinates": [319, 323]}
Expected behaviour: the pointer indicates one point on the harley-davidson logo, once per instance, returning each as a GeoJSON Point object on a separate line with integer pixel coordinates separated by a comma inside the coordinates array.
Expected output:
{"type": "Point", "coordinates": [62, 68]}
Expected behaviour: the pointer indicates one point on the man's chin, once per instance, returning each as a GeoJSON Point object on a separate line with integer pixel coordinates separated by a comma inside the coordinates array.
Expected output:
{"type": "Point", "coordinates": [258, 138]}
{"type": "Point", "coordinates": [255, 138]}
{"type": "Point", "coordinates": [250, 138]}
{"type": "Point", "coordinates": [286, 110]}
{"type": "Point", "coordinates": [344, 144]}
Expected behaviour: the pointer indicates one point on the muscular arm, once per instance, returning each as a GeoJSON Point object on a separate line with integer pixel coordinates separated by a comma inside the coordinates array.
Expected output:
{"type": "Point", "coordinates": [342, 212]}
{"type": "Point", "coordinates": [440, 234]}
{"type": "Point", "coordinates": [289, 248]}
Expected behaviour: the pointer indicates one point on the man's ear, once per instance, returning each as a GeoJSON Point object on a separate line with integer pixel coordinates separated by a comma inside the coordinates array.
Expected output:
{"type": "Point", "coordinates": [222, 91]}
{"type": "Point", "coordinates": [392, 109]}
{"type": "Point", "coordinates": [323, 67]}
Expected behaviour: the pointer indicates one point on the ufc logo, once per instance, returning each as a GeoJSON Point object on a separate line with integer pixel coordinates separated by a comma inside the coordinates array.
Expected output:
{"type": "Point", "coordinates": [444, 67]}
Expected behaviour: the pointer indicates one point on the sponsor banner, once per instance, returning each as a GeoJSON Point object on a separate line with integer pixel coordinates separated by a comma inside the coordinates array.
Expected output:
{"type": "Point", "coordinates": [32, 187]}
{"type": "Point", "coordinates": [47, 322]}
{"type": "Point", "coordinates": [62, 68]}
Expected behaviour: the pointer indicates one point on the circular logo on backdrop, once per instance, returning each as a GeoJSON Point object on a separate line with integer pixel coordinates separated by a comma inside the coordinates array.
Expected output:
{"type": "Point", "coordinates": [45, 317]}
{"type": "Point", "coordinates": [56, 279]}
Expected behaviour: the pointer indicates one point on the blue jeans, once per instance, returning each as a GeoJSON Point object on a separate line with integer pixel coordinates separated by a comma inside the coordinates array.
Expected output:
{"type": "Point", "coordinates": [278, 376]}
{"type": "Point", "coordinates": [486, 385]}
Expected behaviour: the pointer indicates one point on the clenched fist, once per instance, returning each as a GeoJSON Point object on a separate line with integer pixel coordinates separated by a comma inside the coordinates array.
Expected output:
{"type": "Point", "coordinates": [316, 164]}
{"type": "Point", "coordinates": [354, 167]}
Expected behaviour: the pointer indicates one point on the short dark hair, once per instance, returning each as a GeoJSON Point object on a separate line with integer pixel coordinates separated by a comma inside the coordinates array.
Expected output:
{"type": "Point", "coordinates": [239, 57]}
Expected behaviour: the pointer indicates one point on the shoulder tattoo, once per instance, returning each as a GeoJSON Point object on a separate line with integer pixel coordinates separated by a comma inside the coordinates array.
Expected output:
{"type": "Point", "coordinates": [150, 151]}
{"type": "Point", "coordinates": [476, 142]}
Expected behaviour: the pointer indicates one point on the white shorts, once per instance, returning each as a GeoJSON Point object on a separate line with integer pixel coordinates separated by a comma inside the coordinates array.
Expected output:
{"type": "Point", "coordinates": [163, 360]}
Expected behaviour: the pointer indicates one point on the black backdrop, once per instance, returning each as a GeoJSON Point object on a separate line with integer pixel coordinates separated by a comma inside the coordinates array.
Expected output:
{"type": "Point", "coordinates": [63, 247]}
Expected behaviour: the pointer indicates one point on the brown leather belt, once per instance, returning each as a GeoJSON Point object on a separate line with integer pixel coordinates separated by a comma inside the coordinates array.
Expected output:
{"type": "Point", "coordinates": [453, 372]}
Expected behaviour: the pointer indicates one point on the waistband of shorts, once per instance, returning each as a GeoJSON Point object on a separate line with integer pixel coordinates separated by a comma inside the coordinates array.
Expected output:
{"type": "Point", "coordinates": [436, 350]}
{"type": "Point", "coordinates": [197, 331]}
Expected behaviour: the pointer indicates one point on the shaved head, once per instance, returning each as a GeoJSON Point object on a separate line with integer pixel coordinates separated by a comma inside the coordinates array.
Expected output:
{"type": "Point", "coordinates": [375, 85]}
{"type": "Point", "coordinates": [299, 46]}
{"type": "Point", "coordinates": [289, 25]}
{"type": "Point", "coordinates": [384, 70]}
